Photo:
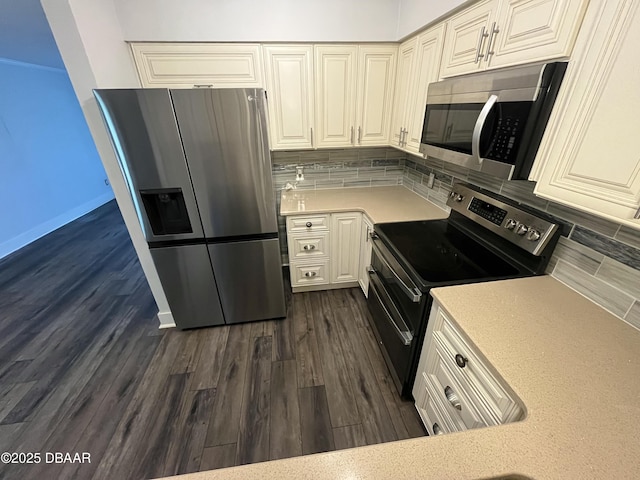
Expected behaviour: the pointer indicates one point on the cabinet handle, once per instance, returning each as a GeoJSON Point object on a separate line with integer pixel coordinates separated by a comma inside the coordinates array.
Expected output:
{"type": "Point", "coordinates": [312, 136]}
{"type": "Point", "coordinates": [452, 397]}
{"type": "Point", "coordinates": [359, 135]}
{"type": "Point", "coordinates": [404, 137]}
{"type": "Point", "coordinates": [483, 35]}
{"type": "Point", "coordinates": [400, 138]}
{"type": "Point", "coordinates": [202, 85]}
{"type": "Point", "coordinates": [309, 247]}
{"type": "Point", "coordinates": [351, 141]}
{"type": "Point", "coordinates": [436, 429]}
{"type": "Point", "coordinates": [461, 361]}
{"type": "Point", "coordinates": [490, 50]}
{"type": "Point", "coordinates": [309, 224]}
{"type": "Point", "coordinates": [310, 274]}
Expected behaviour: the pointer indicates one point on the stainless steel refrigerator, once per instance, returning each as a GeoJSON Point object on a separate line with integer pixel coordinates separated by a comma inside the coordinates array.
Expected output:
{"type": "Point", "coordinates": [198, 167]}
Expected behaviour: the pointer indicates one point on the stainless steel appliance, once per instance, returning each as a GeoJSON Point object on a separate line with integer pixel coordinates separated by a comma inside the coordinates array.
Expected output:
{"type": "Point", "coordinates": [198, 167]}
{"type": "Point", "coordinates": [486, 237]}
{"type": "Point", "coordinates": [492, 121]}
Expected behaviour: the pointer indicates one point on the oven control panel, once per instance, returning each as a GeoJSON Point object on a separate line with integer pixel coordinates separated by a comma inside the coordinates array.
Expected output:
{"type": "Point", "coordinates": [528, 231]}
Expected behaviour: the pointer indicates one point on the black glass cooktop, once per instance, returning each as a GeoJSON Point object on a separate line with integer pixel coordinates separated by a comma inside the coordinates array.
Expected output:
{"type": "Point", "coordinates": [440, 253]}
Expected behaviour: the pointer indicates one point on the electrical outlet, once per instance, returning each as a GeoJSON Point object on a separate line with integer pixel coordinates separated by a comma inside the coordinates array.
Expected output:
{"type": "Point", "coordinates": [432, 178]}
{"type": "Point", "coordinates": [299, 174]}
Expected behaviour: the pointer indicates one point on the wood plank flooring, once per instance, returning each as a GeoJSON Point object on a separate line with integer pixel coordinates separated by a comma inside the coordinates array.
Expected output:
{"type": "Point", "coordinates": [84, 368]}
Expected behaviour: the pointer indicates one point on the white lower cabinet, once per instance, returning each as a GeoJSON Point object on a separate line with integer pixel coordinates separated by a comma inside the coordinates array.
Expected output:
{"type": "Point", "coordinates": [365, 254]}
{"type": "Point", "coordinates": [454, 389]}
{"type": "Point", "coordinates": [324, 250]}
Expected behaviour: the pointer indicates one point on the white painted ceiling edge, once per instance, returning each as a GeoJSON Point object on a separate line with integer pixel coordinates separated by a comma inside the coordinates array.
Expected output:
{"type": "Point", "coordinates": [276, 20]}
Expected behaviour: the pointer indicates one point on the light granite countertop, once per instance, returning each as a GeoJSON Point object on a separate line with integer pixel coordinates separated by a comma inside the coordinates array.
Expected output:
{"type": "Point", "coordinates": [574, 367]}
{"type": "Point", "coordinates": [380, 204]}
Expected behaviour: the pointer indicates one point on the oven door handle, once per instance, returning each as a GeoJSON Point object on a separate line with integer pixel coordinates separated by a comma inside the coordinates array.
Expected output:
{"type": "Point", "coordinates": [413, 293]}
{"type": "Point", "coordinates": [479, 126]}
{"type": "Point", "coordinates": [404, 333]}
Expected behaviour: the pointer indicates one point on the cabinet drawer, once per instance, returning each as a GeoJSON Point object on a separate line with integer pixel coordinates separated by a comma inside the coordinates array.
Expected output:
{"type": "Point", "coordinates": [309, 273]}
{"type": "Point", "coordinates": [431, 413]}
{"type": "Point", "coordinates": [308, 246]}
{"type": "Point", "coordinates": [452, 395]}
{"type": "Point", "coordinates": [475, 376]}
{"type": "Point", "coordinates": [307, 223]}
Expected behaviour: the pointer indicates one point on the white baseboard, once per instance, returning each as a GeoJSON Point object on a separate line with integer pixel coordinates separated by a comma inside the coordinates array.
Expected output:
{"type": "Point", "coordinates": [16, 243]}
{"type": "Point", "coordinates": [166, 320]}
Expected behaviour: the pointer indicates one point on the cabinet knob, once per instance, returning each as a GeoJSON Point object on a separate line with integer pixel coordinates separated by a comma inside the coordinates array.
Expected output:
{"type": "Point", "coordinates": [452, 397]}
{"type": "Point", "coordinates": [308, 247]}
{"type": "Point", "coordinates": [436, 429]}
{"type": "Point", "coordinates": [309, 224]}
{"type": "Point", "coordinates": [310, 274]}
{"type": "Point", "coordinates": [461, 361]}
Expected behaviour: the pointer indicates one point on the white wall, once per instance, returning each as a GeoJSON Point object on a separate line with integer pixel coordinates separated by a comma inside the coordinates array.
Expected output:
{"type": "Point", "coordinates": [90, 41]}
{"type": "Point", "coordinates": [258, 20]}
{"type": "Point", "coordinates": [51, 171]}
{"type": "Point", "coordinates": [415, 14]}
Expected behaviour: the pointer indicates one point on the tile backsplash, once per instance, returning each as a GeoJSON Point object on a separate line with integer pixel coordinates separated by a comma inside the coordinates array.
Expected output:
{"type": "Point", "coordinates": [598, 258]}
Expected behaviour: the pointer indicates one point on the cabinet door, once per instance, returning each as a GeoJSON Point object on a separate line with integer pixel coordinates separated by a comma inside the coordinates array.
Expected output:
{"type": "Point", "coordinates": [365, 255]}
{"type": "Point", "coordinates": [466, 39]}
{"type": "Point", "coordinates": [184, 65]}
{"type": "Point", "coordinates": [534, 30]}
{"type": "Point", "coordinates": [289, 72]}
{"type": "Point", "coordinates": [335, 70]}
{"type": "Point", "coordinates": [589, 154]}
{"type": "Point", "coordinates": [405, 82]}
{"type": "Point", "coordinates": [428, 56]}
{"type": "Point", "coordinates": [376, 78]}
{"type": "Point", "coordinates": [345, 247]}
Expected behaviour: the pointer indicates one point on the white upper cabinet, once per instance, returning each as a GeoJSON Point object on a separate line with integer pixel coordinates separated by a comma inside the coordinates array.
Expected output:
{"type": "Point", "coordinates": [185, 65]}
{"type": "Point", "coordinates": [427, 68]}
{"type": "Point", "coordinates": [499, 33]}
{"type": "Point", "coordinates": [376, 79]}
{"type": "Point", "coordinates": [354, 88]}
{"type": "Point", "coordinates": [466, 39]}
{"type": "Point", "coordinates": [290, 89]}
{"type": "Point", "coordinates": [405, 81]}
{"type": "Point", "coordinates": [589, 158]}
{"type": "Point", "coordinates": [533, 30]}
{"type": "Point", "coordinates": [335, 94]}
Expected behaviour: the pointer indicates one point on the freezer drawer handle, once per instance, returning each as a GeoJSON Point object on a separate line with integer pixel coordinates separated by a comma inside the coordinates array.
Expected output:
{"type": "Point", "coordinates": [309, 246]}
{"type": "Point", "coordinates": [413, 293]}
{"type": "Point", "coordinates": [310, 274]}
{"type": "Point", "coordinates": [404, 333]}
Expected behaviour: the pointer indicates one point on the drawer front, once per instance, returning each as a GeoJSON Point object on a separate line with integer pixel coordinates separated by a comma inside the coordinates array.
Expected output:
{"type": "Point", "coordinates": [452, 396]}
{"type": "Point", "coordinates": [307, 223]}
{"type": "Point", "coordinates": [316, 273]}
{"type": "Point", "coordinates": [306, 246]}
{"type": "Point", "coordinates": [474, 375]}
{"type": "Point", "coordinates": [433, 417]}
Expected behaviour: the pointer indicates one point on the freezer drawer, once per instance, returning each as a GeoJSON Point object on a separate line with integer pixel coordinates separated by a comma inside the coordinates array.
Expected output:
{"type": "Point", "coordinates": [249, 277]}
{"type": "Point", "coordinates": [188, 283]}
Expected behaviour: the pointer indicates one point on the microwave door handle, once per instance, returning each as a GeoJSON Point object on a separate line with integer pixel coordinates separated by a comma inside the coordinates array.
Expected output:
{"type": "Point", "coordinates": [477, 130]}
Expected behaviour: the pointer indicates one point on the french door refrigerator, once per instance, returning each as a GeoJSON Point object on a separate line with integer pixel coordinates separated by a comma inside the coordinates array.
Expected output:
{"type": "Point", "coordinates": [198, 167]}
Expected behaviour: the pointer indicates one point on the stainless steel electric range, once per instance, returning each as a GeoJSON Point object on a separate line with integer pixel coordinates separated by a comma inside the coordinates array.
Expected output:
{"type": "Point", "coordinates": [486, 237]}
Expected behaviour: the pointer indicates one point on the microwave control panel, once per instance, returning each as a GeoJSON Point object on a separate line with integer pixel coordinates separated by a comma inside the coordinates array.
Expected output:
{"type": "Point", "coordinates": [505, 140]}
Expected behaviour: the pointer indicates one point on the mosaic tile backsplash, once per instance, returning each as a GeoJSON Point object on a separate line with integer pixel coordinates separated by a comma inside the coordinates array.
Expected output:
{"type": "Point", "coordinates": [598, 258]}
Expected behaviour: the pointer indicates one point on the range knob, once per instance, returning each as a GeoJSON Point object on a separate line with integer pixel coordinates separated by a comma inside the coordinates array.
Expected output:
{"type": "Point", "coordinates": [522, 229]}
{"type": "Point", "coordinates": [459, 198]}
{"type": "Point", "coordinates": [511, 224]}
{"type": "Point", "coordinates": [533, 235]}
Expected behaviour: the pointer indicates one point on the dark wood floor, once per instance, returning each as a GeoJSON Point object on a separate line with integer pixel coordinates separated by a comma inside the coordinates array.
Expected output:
{"type": "Point", "coordinates": [84, 368]}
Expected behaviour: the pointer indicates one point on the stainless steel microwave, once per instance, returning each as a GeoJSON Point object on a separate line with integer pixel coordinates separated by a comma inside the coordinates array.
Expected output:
{"type": "Point", "coordinates": [492, 121]}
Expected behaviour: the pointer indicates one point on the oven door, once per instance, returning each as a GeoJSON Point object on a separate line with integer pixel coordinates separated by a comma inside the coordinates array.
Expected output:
{"type": "Point", "coordinates": [397, 312]}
